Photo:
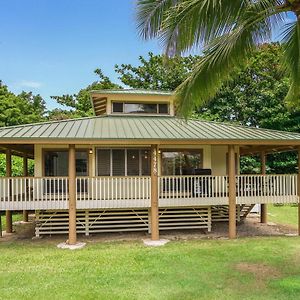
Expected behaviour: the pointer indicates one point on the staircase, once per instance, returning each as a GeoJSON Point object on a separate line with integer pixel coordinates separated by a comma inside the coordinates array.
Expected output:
{"type": "Point", "coordinates": [220, 212]}
{"type": "Point", "coordinates": [245, 210]}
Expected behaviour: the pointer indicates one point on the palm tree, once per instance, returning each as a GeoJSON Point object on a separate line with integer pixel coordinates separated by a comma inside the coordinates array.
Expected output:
{"type": "Point", "coordinates": [226, 31]}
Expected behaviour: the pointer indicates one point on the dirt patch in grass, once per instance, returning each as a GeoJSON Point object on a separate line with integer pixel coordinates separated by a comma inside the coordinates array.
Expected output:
{"type": "Point", "coordinates": [261, 272]}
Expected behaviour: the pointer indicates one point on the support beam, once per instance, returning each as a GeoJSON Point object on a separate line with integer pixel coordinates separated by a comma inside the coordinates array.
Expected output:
{"type": "Point", "coordinates": [232, 192]}
{"type": "Point", "coordinates": [9, 227]}
{"type": "Point", "coordinates": [154, 193]}
{"type": "Point", "coordinates": [25, 174]}
{"type": "Point", "coordinates": [263, 207]}
{"type": "Point", "coordinates": [72, 196]}
{"type": "Point", "coordinates": [298, 186]}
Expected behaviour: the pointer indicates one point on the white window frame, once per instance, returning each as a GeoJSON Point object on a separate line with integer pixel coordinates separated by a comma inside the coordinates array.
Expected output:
{"type": "Point", "coordinates": [142, 113]}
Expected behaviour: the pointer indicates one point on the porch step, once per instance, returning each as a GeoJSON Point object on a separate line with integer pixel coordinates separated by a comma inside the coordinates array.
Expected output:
{"type": "Point", "coordinates": [220, 212]}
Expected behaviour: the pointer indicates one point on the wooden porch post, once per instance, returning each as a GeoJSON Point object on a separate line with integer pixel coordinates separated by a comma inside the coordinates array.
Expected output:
{"type": "Point", "coordinates": [8, 174]}
{"type": "Point", "coordinates": [232, 192]}
{"type": "Point", "coordinates": [25, 174]}
{"type": "Point", "coordinates": [298, 190]}
{"type": "Point", "coordinates": [72, 196]}
{"type": "Point", "coordinates": [263, 207]}
{"type": "Point", "coordinates": [154, 194]}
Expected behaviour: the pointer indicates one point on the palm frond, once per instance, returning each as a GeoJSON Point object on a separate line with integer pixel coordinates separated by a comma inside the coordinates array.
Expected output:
{"type": "Point", "coordinates": [214, 67]}
{"type": "Point", "coordinates": [150, 15]}
{"type": "Point", "coordinates": [291, 39]}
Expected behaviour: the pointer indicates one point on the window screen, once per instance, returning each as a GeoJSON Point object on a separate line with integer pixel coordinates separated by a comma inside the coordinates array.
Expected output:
{"type": "Point", "coordinates": [145, 162]}
{"type": "Point", "coordinates": [163, 108]}
{"type": "Point", "coordinates": [103, 162]}
{"type": "Point", "coordinates": [133, 159]}
{"type": "Point", "coordinates": [117, 107]}
{"type": "Point", "coordinates": [118, 162]}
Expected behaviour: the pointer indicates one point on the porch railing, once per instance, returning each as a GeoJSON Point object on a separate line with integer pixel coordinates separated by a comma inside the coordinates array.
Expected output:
{"type": "Point", "coordinates": [33, 193]}
{"type": "Point", "coordinates": [195, 190]}
{"type": "Point", "coordinates": [113, 192]}
{"type": "Point", "coordinates": [267, 189]}
{"type": "Point", "coordinates": [17, 193]}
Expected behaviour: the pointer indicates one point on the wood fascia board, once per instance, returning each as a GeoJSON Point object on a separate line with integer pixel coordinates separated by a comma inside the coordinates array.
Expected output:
{"type": "Point", "coordinates": [90, 141]}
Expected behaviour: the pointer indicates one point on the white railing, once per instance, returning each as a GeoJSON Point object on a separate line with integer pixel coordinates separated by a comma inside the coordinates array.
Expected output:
{"type": "Point", "coordinates": [193, 190]}
{"type": "Point", "coordinates": [113, 192]}
{"type": "Point", "coordinates": [17, 193]}
{"type": "Point", "coordinates": [267, 189]}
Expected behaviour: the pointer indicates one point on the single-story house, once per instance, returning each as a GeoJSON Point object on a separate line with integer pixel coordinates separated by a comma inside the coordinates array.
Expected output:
{"type": "Point", "coordinates": [135, 166]}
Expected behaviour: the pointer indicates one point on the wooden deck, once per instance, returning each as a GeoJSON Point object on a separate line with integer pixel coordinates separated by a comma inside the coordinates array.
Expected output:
{"type": "Point", "coordinates": [32, 193]}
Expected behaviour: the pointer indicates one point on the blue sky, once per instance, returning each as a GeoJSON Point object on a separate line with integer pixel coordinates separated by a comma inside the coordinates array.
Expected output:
{"type": "Point", "coordinates": [52, 47]}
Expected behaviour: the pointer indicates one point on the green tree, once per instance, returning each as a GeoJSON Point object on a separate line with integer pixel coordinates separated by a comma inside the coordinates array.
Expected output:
{"type": "Point", "coordinates": [80, 104]}
{"type": "Point", "coordinates": [152, 72]}
{"type": "Point", "coordinates": [20, 109]}
{"type": "Point", "coordinates": [227, 32]}
{"type": "Point", "coordinates": [15, 110]}
{"type": "Point", "coordinates": [254, 96]}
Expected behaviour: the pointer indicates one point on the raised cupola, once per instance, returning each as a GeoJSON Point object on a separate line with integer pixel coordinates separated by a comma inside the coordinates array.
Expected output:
{"type": "Point", "coordinates": [132, 102]}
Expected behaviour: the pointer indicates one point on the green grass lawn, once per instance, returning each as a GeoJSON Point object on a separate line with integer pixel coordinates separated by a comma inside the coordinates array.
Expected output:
{"type": "Point", "coordinates": [252, 268]}
{"type": "Point", "coordinates": [286, 214]}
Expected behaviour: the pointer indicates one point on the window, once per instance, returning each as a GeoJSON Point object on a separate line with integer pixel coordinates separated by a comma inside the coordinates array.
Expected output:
{"type": "Point", "coordinates": [163, 108]}
{"type": "Point", "coordinates": [118, 162]}
{"type": "Point", "coordinates": [145, 162]}
{"type": "Point", "coordinates": [56, 163]}
{"type": "Point", "coordinates": [133, 162]}
{"type": "Point", "coordinates": [140, 108]}
{"type": "Point", "coordinates": [103, 162]}
{"type": "Point", "coordinates": [181, 162]}
{"type": "Point", "coordinates": [123, 162]}
{"type": "Point", "coordinates": [118, 107]}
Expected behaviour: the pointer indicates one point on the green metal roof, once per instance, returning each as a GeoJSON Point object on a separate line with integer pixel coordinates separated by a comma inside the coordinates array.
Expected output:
{"type": "Point", "coordinates": [133, 92]}
{"type": "Point", "coordinates": [133, 128]}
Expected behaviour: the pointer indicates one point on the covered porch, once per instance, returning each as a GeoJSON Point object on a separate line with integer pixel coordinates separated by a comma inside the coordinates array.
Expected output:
{"type": "Point", "coordinates": [155, 165]}
{"type": "Point", "coordinates": [148, 197]}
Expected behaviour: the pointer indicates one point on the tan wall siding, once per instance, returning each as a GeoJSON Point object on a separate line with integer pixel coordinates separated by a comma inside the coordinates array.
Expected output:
{"type": "Point", "coordinates": [218, 160]}
{"type": "Point", "coordinates": [214, 157]}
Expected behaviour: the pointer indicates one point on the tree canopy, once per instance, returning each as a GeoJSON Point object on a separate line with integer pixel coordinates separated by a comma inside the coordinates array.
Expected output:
{"type": "Point", "coordinates": [20, 109]}
{"type": "Point", "coordinates": [227, 32]}
{"type": "Point", "coordinates": [254, 96]}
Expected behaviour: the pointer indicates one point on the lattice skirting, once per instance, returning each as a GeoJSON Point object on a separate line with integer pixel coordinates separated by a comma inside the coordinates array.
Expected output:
{"type": "Point", "coordinates": [50, 222]}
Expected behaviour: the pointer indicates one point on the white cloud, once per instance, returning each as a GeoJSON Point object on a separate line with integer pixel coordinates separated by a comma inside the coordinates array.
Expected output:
{"type": "Point", "coordinates": [30, 84]}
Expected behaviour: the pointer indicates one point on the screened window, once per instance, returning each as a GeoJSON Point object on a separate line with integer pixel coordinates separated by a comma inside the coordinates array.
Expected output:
{"type": "Point", "coordinates": [123, 162]}
{"type": "Point", "coordinates": [56, 163]}
{"type": "Point", "coordinates": [118, 162]}
{"type": "Point", "coordinates": [163, 108]}
{"type": "Point", "coordinates": [133, 162]}
{"type": "Point", "coordinates": [118, 107]}
{"type": "Point", "coordinates": [140, 108]}
{"type": "Point", "coordinates": [145, 162]}
{"type": "Point", "coordinates": [183, 162]}
{"type": "Point", "coordinates": [103, 162]}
